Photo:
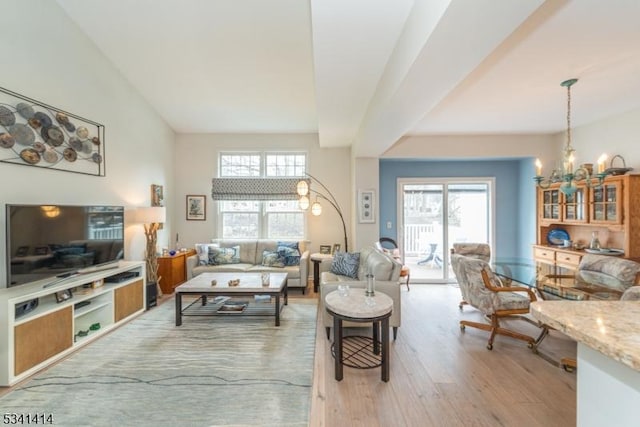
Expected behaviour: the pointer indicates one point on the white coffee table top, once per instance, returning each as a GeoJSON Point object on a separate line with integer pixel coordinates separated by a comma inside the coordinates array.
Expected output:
{"type": "Point", "coordinates": [248, 282]}
{"type": "Point", "coordinates": [353, 304]}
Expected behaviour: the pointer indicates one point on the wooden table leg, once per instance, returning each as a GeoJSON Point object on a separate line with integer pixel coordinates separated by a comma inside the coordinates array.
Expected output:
{"type": "Point", "coordinates": [286, 294]}
{"type": "Point", "coordinates": [337, 347]}
{"type": "Point", "coordinates": [316, 275]}
{"type": "Point", "coordinates": [385, 350]}
{"type": "Point", "coordinates": [178, 309]}
{"type": "Point", "coordinates": [278, 309]}
{"type": "Point", "coordinates": [376, 337]}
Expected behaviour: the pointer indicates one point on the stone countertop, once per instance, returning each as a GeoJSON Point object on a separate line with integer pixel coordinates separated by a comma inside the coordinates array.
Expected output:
{"type": "Point", "coordinates": [610, 327]}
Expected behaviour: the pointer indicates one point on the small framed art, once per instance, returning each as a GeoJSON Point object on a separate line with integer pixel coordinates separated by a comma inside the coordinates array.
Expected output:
{"type": "Point", "coordinates": [366, 206]}
{"type": "Point", "coordinates": [157, 195]}
{"type": "Point", "coordinates": [325, 249]}
{"type": "Point", "coordinates": [196, 207]}
{"type": "Point", "coordinates": [336, 248]}
{"type": "Point", "coordinates": [63, 295]}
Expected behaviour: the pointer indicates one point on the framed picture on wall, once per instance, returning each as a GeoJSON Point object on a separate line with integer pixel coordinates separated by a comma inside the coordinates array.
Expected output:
{"type": "Point", "coordinates": [157, 195]}
{"type": "Point", "coordinates": [196, 207]}
{"type": "Point", "coordinates": [366, 206]}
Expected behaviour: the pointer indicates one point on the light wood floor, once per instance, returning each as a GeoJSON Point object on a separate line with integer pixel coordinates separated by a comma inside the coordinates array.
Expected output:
{"type": "Point", "coordinates": [443, 377]}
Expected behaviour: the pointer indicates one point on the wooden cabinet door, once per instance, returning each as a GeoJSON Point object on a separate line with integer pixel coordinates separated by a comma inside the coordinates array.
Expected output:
{"type": "Point", "coordinates": [605, 203]}
{"type": "Point", "coordinates": [574, 206]}
{"type": "Point", "coordinates": [39, 339]}
{"type": "Point", "coordinates": [549, 205]}
{"type": "Point", "coordinates": [128, 300]}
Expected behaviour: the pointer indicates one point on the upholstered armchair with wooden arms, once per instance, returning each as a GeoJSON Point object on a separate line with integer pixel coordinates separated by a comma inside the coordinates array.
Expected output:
{"type": "Point", "coordinates": [484, 291]}
{"type": "Point", "coordinates": [474, 250]}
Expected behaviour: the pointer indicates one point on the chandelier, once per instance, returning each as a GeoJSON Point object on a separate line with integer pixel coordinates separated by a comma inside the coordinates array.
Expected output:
{"type": "Point", "coordinates": [568, 175]}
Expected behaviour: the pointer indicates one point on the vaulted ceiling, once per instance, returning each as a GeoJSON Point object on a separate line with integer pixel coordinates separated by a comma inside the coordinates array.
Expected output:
{"type": "Point", "coordinates": [364, 73]}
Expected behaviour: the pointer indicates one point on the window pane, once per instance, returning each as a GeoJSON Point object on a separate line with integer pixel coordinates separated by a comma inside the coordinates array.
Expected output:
{"type": "Point", "coordinates": [285, 164]}
{"type": "Point", "coordinates": [239, 206]}
{"type": "Point", "coordinates": [282, 206]}
{"type": "Point", "coordinates": [239, 165]}
{"type": "Point", "coordinates": [240, 225]}
{"type": "Point", "coordinates": [285, 225]}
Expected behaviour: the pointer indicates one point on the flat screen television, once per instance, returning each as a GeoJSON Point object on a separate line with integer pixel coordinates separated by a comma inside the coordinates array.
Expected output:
{"type": "Point", "coordinates": [48, 241]}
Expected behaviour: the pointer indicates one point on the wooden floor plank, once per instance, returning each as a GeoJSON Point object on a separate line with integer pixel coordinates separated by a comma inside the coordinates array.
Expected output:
{"type": "Point", "coordinates": [441, 376]}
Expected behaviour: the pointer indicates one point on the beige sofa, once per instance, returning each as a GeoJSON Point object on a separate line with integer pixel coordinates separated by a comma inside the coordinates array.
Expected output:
{"type": "Point", "coordinates": [251, 251]}
{"type": "Point", "coordinates": [386, 271]}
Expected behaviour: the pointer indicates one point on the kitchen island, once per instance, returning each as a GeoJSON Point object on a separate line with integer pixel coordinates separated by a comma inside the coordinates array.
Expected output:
{"type": "Point", "coordinates": [608, 336]}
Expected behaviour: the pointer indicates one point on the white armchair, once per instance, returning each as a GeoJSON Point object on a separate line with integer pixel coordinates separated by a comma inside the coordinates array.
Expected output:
{"type": "Point", "coordinates": [386, 271]}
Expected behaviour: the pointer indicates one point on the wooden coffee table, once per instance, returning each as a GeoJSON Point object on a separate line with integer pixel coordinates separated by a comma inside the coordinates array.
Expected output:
{"type": "Point", "coordinates": [250, 285]}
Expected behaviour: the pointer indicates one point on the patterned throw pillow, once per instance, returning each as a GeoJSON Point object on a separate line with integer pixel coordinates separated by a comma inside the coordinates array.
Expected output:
{"type": "Point", "coordinates": [346, 264]}
{"type": "Point", "coordinates": [219, 256]}
{"type": "Point", "coordinates": [202, 249]}
{"type": "Point", "coordinates": [272, 259]}
{"type": "Point", "coordinates": [290, 252]}
{"type": "Point", "coordinates": [291, 255]}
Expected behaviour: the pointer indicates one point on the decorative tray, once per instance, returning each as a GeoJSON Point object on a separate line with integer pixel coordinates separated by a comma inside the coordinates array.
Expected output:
{"type": "Point", "coordinates": [617, 171]}
{"type": "Point", "coordinates": [605, 251]}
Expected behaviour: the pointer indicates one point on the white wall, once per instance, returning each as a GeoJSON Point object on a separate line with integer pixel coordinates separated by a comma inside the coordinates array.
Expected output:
{"type": "Point", "coordinates": [615, 135]}
{"type": "Point", "coordinates": [197, 162]}
{"type": "Point", "coordinates": [46, 57]}
{"type": "Point", "coordinates": [366, 177]}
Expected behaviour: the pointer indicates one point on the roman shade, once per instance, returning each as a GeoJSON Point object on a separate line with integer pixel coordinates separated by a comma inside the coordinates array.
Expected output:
{"type": "Point", "coordinates": [254, 188]}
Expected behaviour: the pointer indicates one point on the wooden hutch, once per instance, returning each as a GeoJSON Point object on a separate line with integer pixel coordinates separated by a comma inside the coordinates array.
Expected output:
{"type": "Point", "coordinates": [612, 209]}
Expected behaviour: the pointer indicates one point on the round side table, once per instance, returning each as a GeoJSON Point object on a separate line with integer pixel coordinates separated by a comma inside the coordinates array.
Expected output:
{"type": "Point", "coordinates": [353, 308]}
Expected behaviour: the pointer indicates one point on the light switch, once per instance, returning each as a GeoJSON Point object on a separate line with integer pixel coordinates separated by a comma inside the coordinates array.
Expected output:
{"type": "Point", "coordinates": [389, 225]}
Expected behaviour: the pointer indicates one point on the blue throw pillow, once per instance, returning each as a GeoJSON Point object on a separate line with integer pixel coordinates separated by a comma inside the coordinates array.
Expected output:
{"type": "Point", "coordinates": [290, 252]}
{"type": "Point", "coordinates": [218, 256]}
{"type": "Point", "coordinates": [272, 259]}
{"type": "Point", "coordinates": [346, 264]}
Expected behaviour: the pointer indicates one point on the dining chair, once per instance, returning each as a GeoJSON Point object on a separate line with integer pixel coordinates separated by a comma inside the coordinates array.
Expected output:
{"type": "Point", "coordinates": [474, 250]}
{"type": "Point", "coordinates": [631, 294]}
{"type": "Point", "coordinates": [484, 291]}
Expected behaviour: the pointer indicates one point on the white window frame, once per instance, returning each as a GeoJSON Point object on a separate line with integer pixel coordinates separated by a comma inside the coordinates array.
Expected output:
{"type": "Point", "coordinates": [263, 213]}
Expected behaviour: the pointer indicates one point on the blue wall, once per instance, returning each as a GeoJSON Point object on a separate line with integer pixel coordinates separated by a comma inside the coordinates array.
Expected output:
{"type": "Point", "coordinates": [514, 196]}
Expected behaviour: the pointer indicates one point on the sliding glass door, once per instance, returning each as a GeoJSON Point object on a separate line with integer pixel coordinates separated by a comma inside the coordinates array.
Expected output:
{"type": "Point", "coordinates": [433, 214]}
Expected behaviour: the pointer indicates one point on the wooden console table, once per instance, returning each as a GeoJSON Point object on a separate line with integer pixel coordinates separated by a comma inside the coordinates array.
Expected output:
{"type": "Point", "coordinates": [173, 270]}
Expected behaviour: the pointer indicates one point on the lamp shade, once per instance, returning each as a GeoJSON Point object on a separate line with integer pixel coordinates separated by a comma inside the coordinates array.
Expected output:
{"type": "Point", "coordinates": [303, 203]}
{"type": "Point", "coordinates": [316, 208]}
{"type": "Point", "coordinates": [302, 188]}
{"type": "Point", "coordinates": [151, 215]}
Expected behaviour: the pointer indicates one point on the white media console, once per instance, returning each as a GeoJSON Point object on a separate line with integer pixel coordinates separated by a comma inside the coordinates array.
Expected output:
{"type": "Point", "coordinates": [52, 330]}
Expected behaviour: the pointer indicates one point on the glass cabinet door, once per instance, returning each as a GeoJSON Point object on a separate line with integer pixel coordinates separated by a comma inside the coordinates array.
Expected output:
{"type": "Point", "coordinates": [606, 203]}
{"type": "Point", "coordinates": [574, 208]}
{"type": "Point", "coordinates": [550, 206]}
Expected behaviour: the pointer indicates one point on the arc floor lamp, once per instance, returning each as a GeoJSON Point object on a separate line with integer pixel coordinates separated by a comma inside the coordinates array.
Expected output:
{"type": "Point", "coordinates": [304, 190]}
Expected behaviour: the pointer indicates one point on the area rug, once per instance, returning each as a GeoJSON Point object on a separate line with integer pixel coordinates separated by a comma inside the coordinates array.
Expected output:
{"type": "Point", "coordinates": [211, 371]}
